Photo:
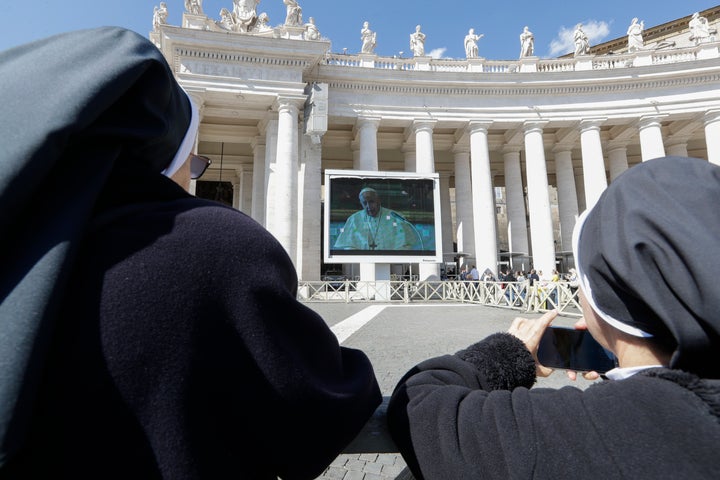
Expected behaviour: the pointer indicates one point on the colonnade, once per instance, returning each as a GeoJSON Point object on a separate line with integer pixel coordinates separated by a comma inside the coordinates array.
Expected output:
{"type": "Point", "coordinates": [287, 173]}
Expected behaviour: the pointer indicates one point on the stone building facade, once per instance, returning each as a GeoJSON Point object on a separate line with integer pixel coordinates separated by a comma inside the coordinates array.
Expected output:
{"type": "Point", "coordinates": [278, 108]}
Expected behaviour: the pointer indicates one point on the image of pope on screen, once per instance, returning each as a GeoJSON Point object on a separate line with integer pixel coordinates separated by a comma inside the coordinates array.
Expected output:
{"type": "Point", "coordinates": [377, 228]}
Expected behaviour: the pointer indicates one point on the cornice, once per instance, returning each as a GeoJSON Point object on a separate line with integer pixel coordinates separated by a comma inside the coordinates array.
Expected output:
{"type": "Point", "coordinates": [580, 87]}
{"type": "Point", "coordinates": [180, 52]}
{"type": "Point", "coordinates": [235, 49]}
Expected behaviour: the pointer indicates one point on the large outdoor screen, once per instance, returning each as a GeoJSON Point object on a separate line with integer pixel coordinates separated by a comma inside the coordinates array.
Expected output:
{"type": "Point", "coordinates": [382, 217]}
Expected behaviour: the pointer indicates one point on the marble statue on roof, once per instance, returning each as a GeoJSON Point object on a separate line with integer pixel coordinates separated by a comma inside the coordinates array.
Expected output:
{"type": "Point", "coordinates": [471, 46]}
{"type": "Point", "coordinates": [635, 37]}
{"type": "Point", "coordinates": [293, 17]}
{"type": "Point", "coordinates": [582, 44]}
{"type": "Point", "coordinates": [369, 39]}
{"type": "Point", "coordinates": [244, 14]}
{"type": "Point", "coordinates": [262, 24]}
{"type": "Point", "coordinates": [417, 42]}
{"type": "Point", "coordinates": [700, 31]}
{"type": "Point", "coordinates": [311, 31]}
{"type": "Point", "coordinates": [227, 22]}
{"type": "Point", "coordinates": [527, 43]}
{"type": "Point", "coordinates": [194, 7]}
{"type": "Point", "coordinates": [160, 15]}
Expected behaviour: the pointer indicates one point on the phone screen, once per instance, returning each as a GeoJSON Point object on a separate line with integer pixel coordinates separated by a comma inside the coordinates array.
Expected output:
{"type": "Point", "coordinates": [571, 349]}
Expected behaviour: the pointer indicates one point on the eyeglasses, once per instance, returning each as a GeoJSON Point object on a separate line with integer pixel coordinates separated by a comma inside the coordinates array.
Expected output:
{"type": "Point", "coordinates": [198, 165]}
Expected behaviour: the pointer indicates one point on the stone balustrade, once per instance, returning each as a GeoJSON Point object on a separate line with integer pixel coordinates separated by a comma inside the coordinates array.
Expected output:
{"type": "Point", "coordinates": [530, 64]}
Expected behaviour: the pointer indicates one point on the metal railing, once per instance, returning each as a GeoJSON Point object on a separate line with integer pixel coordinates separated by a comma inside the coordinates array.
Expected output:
{"type": "Point", "coordinates": [521, 296]}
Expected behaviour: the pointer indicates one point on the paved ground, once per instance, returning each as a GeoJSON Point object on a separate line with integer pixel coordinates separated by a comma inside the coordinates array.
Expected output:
{"type": "Point", "coordinates": [399, 337]}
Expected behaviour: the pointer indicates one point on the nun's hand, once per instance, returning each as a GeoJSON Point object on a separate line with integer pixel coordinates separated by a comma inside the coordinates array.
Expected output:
{"type": "Point", "coordinates": [572, 374]}
{"type": "Point", "coordinates": [530, 332]}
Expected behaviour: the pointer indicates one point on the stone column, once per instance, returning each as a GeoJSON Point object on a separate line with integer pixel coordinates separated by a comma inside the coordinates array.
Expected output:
{"type": "Point", "coordinates": [617, 161]}
{"type": "Point", "coordinates": [425, 155]}
{"type": "Point", "coordinates": [199, 102]}
{"type": "Point", "coordinates": [355, 148]}
{"type": "Point", "coordinates": [425, 158]}
{"type": "Point", "coordinates": [567, 196]}
{"type": "Point", "coordinates": [541, 226]}
{"type": "Point", "coordinates": [247, 186]}
{"type": "Point", "coordinates": [651, 141]}
{"type": "Point", "coordinates": [271, 141]}
{"type": "Point", "coordinates": [592, 160]}
{"type": "Point", "coordinates": [463, 203]}
{"type": "Point", "coordinates": [515, 202]}
{"type": "Point", "coordinates": [367, 131]}
{"type": "Point", "coordinates": [365, 157]}
{"type": "Point", "coordinates": [257, 212]}
{"type": "Point", "coordinates": [309, 217]}
{"type": "Point", "coordinates": [410, 155]}
{"type": "Point", "coordinates": [237, 185]}
{"type": "Point", "coordinates": [484, 217]}
{"type": "Point", "coordinates": [282, 182]}
{"type": "Point", "coordinates": [712, 136]}
{"type": "Point", "coordinates": [446, 217]}
{"type": "Point", "coordinates": [678, 149]}
{"type": "Point", "coordinates": [580, 188]}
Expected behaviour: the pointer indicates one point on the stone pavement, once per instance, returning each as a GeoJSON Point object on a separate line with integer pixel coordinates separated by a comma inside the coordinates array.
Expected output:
{"type": "Point", "coordinates": [398, 338]}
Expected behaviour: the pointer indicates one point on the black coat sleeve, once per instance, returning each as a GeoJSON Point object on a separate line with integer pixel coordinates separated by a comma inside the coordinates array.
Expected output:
{"type": "Point", "coordinates": [471, 416]}
{"type": "Point", "coordinates": [436, 408]}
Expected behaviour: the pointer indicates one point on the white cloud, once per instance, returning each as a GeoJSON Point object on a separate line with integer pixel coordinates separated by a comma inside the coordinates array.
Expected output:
{"type": "Point", "coordinates": [438, 52]}
{"type": "Point", "coordinates": [596, 31]}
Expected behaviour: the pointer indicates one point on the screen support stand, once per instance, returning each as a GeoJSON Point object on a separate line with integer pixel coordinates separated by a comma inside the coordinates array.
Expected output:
{"type": "Point", "coordinates": [429, 271]}
{"type": "Point", "coordinates": [378, 277]}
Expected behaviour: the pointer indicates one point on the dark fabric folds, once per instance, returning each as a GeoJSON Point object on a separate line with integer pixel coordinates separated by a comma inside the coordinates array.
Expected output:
{"type": "Point", "coordinates": [76, 106]}
{"type": "Point", "coordinates": [649, 253]}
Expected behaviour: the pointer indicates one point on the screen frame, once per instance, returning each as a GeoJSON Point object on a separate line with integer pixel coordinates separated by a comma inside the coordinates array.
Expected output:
{"type": "Point", "coordinates": [330, 257]}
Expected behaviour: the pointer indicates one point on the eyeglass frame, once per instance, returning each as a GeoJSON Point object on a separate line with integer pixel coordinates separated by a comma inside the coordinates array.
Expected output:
{"type": "Point", "coordinates": [195, 165]}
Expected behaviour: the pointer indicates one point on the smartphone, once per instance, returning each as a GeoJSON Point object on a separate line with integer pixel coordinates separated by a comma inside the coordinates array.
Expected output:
{"type": "Point", "coordinates": [571, 349]}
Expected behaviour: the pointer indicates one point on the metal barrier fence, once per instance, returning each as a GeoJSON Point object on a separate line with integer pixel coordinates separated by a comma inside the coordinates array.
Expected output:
{"type": "Point", "coordinates": [521, 296]}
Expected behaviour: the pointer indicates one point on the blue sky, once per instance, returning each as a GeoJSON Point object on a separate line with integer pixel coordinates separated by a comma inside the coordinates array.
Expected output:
{"type": "Point", "coordinates": [444, 22]}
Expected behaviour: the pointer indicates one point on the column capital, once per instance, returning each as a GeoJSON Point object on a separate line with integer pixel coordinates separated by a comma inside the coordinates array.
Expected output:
{"type": "Point", "coordinates": [478, 126]}
{"type": "Point", "coordinates": [289, 102]}
{"type": "Point", "coordinates": [363, 122]}
{"type": "Point", "coordinates": [367, 121]}
{"type": "Point", "coordinates": [270, 120]}
{"type": "Point", "coordinates": [678, 140]}
{"type": "Point", "coordinates": [651, 121]}
{"type": "Point", "coordinates": [562, 148]}
{"type": "Point", "coordinates": [507, 149]}
{"type": "Point", "coordinates": [408, 147]}
{"type": "Point", "coordinates": [618, 143]}
{"type": "Point", "coordinates": [419, 125]}
{"type": "Point", "coordinates": [258, 141]}
{"type": "Point", "coordinates": [460, 148]}
{"type": "Point", "coordinates": [711, 116]}
{"type": "Point", "coordinates": [613, 147]}
{"type": "Point", "coordinates": [198, 100]}
{"type": "Point", "coordinates": [530, 126]}
{"type": "Point", "coordinates": [588, 124]}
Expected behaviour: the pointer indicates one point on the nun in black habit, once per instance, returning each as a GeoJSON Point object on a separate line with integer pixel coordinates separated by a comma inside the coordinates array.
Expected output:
{"type": "Point", "coordinates": [648, 261]}
{"type": "Point", "coordinates": [146, 333]}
